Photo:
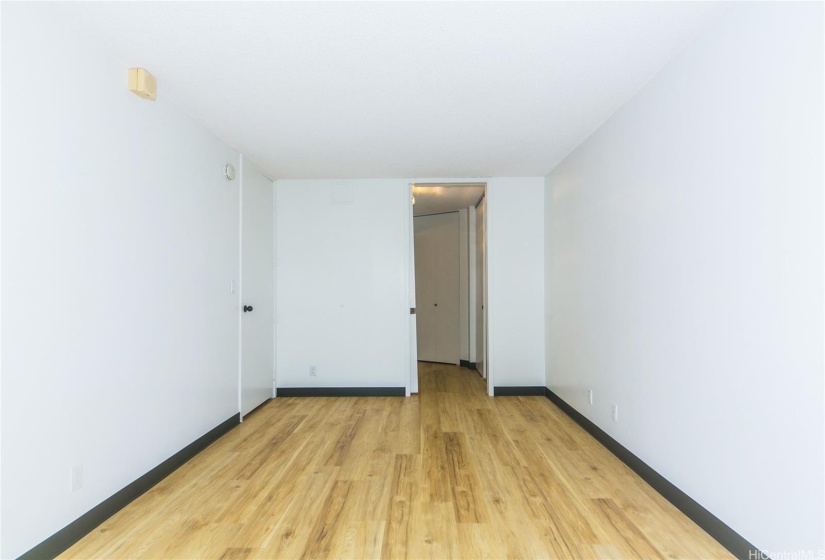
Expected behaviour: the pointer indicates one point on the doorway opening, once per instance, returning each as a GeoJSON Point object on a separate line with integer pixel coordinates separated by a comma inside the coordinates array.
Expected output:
{"type": "Point", "coordinates": [449, 281]}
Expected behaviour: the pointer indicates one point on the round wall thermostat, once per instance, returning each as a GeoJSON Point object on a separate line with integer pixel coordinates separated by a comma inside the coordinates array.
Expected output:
{"type": "Point", "coordinates": [229, 171]}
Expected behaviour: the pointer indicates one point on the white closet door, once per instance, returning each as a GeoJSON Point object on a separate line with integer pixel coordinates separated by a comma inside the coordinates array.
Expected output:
{"type": "Point", "coordinates": [437, 287]}
{"type": "Point", "coordinates": [257, 288]}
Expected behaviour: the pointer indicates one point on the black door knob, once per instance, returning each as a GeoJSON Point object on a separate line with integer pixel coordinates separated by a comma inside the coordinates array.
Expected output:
{"type": "Point", "coordinates": [247, 308]}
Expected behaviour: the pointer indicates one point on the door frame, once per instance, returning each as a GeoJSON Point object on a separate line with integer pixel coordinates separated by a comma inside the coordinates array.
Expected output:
{"type": "Point", "coordinates": [411, 385]}
{"type": "Point", "coordinates": [483, 294]}
{"type": "Point", "coordinates": [409, 252]}
{"type": "Point", "coordinates": [485, 313]}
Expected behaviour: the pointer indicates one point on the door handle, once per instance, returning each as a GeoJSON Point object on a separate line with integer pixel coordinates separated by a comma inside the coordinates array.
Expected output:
{"type": "Point", "coordinates": [247, 308]}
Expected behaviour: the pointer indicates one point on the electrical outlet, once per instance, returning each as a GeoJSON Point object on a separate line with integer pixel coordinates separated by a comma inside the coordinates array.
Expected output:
{"type": "Point", "coordinates": [313, 371]}
{"type": "Point", "coordinates": [77, 478]}
{"type": "Point", "coordinates": [590, 396]}
{"type": "Point", "coordinates": [615, 413]}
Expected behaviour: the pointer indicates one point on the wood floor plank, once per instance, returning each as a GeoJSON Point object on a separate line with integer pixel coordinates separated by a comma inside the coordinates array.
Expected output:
{"type": "Point", "coordinates": [505, 451]}
{"type": "Point", "coordinates": [265, 452]}
{"type": "Point", "coordinates": [541, 512]}
{"type": "Point", "coordinates": [628, 535]}
{"type": "Point", "coordinates": [397, 533]}
{"type": "Point", "coordinates": [236, 553]}
{"type": "Point", "coordinates": [359, 540]}
{"type": "Point", "coordinates": [480, 541]}
{"type": "Point", "coordinates": [327, 524]}
{"type": "Point", "coordinates": [467, 494]}
{"type": "Point", "coordinates": [436, 481]}
{"type": "Point", "coordinates": [338, 451]}
{"type": "Point", "coordinates": [290, 538]}
{"type": "Point", "coordinates": [449, 473]}
{"type": "Point", "coordinates": [434, 532]}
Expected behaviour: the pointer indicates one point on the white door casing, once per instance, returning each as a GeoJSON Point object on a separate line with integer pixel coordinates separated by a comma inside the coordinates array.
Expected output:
{"type": "Point", "coordinates": [471, 265]}
{"type": "Point", "coordinates": [481, 316]}
{"type": "Point", "coordinates": [412, 380]}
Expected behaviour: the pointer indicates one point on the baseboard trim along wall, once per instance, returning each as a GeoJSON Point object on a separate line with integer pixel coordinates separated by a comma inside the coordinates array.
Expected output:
{"type": "Point", "coordinates": [341, 392]}
{"type": "Point", "coordinates": [527, 391]}
{"type": "Point", "coordinates": [467, 364]}
{"type": "Point", "coordinates": [86, 523]}
{"type": "Point", "coordinates": [712, 525]}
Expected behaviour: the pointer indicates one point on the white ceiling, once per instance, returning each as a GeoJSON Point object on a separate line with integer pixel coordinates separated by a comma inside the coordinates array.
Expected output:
{"type": "Point", "coordinates": [396, 89]}
{"type": "Point", "coordinates": [437, 199]}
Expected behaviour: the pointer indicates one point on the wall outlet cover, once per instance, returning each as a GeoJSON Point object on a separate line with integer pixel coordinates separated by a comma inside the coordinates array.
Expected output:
{"type": "Point", "coordinates": [77, 478]}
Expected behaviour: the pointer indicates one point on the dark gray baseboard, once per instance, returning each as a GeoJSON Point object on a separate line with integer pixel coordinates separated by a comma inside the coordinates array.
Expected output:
{"type": "Point", "coordinates": [528, 391]}
{"type": "Point", "coordinates": [712, 525]}
{"type": "Point", "coordinates": [467, 364]}
{"type": "Point", "coordinates": [342, 392]}
{"type": "Point", "coordinates": [86, 523]}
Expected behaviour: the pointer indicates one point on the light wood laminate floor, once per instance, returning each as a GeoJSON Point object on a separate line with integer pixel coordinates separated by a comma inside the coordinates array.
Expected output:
{"type": "Point", "coordinates": [450, 473]}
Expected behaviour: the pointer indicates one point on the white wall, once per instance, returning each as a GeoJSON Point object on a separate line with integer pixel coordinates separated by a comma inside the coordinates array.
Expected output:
{"type": "Point", "coordinates": [119, 239]}
{"type": "Point", "coordinates": [515, 276]}
{"type": "Point", "coordinates": [685, 274]}
{"type": "Point", "coordinates": [342, 274]}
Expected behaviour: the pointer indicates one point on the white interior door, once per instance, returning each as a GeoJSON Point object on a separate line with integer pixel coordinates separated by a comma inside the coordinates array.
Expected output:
{"type": "Point", "coordinates": [257, 288]}
{"type": "Point", "coordinates": [481, 316]}
{"type": "Point", "coordinates": [437, 287]}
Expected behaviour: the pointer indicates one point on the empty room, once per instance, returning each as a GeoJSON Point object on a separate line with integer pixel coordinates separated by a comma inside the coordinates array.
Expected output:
{"type": "Point", "coordinates": [472, 280]}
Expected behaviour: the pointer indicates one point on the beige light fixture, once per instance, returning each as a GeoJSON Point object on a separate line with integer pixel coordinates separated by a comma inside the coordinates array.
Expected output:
{"type": "Point", "coordinates": [143, 84]}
